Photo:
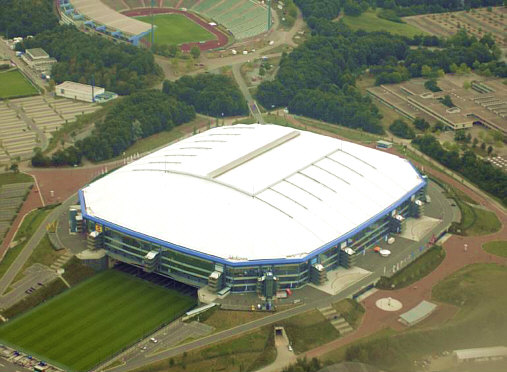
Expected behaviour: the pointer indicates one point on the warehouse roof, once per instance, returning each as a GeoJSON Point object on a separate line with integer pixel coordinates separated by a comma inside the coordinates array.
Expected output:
{"type": "Point", "coordinates": [252, 192]}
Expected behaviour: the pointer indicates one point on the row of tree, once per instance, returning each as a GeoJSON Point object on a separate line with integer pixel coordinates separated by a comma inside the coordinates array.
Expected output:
{"type": "Point", "coordinates": [210, 94]}
{"type": "Point", "coordinates": [118, 67]}
{"type": "Point", "coordinates": [137, 116]}
{"type": "Point", "coordinates": [26, 17]}
{"type": "Point", "coordinates": [481, 172]}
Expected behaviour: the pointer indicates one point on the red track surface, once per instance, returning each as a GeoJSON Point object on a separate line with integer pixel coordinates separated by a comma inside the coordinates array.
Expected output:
{"type": "Point", "coordinates": [211, 44]}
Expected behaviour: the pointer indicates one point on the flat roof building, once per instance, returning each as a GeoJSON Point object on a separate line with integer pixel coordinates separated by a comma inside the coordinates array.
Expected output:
{"type": "Point", "coordinates": [81, 92]}
{"type": "Point", "coordinates": [39, 60]}
{"type": "Point", "coordinates": [251, 198]}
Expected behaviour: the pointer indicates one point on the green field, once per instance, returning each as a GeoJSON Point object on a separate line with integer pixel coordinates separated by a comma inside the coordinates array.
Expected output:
{"type": "Point", "coordinates": [497, 247]}
{"type": "Point", "coordinates": [368, 21]}
{"type": "Point", "coordinates": [177, 29]}
{"type": "Point", "coordinates": [14, 84]}
{"type": "Point", "coordinates": [87, 324]}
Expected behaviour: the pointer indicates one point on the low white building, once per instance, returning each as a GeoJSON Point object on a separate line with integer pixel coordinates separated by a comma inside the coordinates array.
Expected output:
{"type": "Point", "coordinates": [480, 354]}
{"type": "Point", "coordinates": [38, 60]}
{"type": "Point", "coordinates": [78, 91]}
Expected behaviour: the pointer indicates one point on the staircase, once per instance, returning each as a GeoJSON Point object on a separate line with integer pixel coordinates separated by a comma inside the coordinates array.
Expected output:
{"type": "Point", "coordinates": [62, 260]}
{"type": "Point", "coordinates": [336, 320]}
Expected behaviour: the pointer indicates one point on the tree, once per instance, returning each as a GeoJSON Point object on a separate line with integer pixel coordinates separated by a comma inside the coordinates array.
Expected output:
{"type": "Point", "coordinates": [195, 52]}
{"type": "Point", "coordinates": [490, 149]}
{"type": "Point", "coordinates": [402, 129]}
{"type": "Point", "coordinates": [475, 142]}
{"type": "Point", "coordinates": [447, 101]}
{"type": "Point", "coordinates": [421, 124]}
{"type": "Point", "coordinates": [483, 146]}
{"type": "Point", "coordinates": [14, 168]}
{"type": "Point", "coordinates": [432, 85]}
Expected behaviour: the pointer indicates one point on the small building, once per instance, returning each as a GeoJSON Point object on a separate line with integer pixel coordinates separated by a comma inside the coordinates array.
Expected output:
{"type": "Point", "coordinates": [38, 60]}
{"type": "Point", "coordinates": [384, 144]}
{"type": "Point", "coordinates": [480, 354]}
{"type": "Point", "coordinates": [78, 91]}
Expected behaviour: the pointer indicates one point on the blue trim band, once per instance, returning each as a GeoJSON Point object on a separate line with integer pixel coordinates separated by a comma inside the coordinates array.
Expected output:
{"type": "Point", "coordinates": [283, 261]}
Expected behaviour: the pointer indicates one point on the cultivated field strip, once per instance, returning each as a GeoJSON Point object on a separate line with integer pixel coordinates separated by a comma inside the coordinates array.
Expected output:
{"type": "Point", "coordinates": [11, 199]}
{"type": "Point", "coordinates": [16, 137]}
{"type": "Point", "coordinates": [89, 323]}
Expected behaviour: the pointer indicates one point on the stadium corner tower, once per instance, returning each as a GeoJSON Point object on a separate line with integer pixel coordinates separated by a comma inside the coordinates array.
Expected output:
{"type": "Point", "coordinates": [235, 205]}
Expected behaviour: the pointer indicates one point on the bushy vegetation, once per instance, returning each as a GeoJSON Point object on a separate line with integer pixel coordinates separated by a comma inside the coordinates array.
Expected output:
{"type": "Point", "coordinates": [318, 78]}
{"type": "Point", "coordinates": [303, 365]}
{"type": "Point", "coordinates": [489, 178]}
{"type": "Point", "coordinates": [210, 94]}
{"type": "Point", "coordinates": [26, 17]}
{"type": "Point", "coordinates": [414, 271]}
{"type": "Point", "coordinates": [118, 67]}
{"type": "Point", "coordinates": [401, 129]}
{"type": "Point", "coordinates": [432, 85]}
{"type": "Point", "coordinates": [137, 116]}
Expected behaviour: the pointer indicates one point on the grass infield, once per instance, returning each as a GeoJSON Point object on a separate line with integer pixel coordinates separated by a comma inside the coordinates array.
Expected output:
{"type": "Point", "coordinates": [87, 324]}
{"type": "Point", "coordinates": [14, 84]}
{"type": "Point", "coordinates": [176, 29]}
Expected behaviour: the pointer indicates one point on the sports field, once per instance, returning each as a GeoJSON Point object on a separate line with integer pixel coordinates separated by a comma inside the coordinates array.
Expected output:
{"type": "Point", "coordinates": [177, 29]}
{"type": "Point", "coordinates": [14, 84]}
{"type": "Point", "coordinates": [87, 324]}
{"type": "Point", "coordinates": [368, 21]}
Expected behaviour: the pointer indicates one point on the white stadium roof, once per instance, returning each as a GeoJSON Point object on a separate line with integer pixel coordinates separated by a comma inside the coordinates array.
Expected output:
{"type": "Point", "coordinates": [252, 192]}
{"type": "Point", "coordinates": [99, 12]}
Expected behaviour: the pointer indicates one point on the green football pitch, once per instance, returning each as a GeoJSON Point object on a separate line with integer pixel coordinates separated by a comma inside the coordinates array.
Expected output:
{"type": "Point", "coordinates": [177, 29]}
{"type": "Point", "coordinates": [87, 324]}
{"type": "Point", "coordinates": [14, 84]}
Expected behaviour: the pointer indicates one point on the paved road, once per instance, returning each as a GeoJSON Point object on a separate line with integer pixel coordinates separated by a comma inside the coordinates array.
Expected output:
{"type": "Point", "coordinates": [252, 105]}
{"type": "Point", "coordinates": [18, 263]}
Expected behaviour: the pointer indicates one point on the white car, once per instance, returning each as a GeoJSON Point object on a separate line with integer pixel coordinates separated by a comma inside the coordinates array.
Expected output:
{"type": "Point", "coordinates": [154, 340]}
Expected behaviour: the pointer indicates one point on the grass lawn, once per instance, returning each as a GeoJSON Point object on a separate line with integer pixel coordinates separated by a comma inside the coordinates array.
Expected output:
{"type": "Point", "coordinates": [481, 321]}
{"type": "Point", "coordinates": [351, 311]}
{"type": "Point", "coordinates": [414, 271]}
{"type": "Point", "coordinates": [8, 178]}
{"type": "Point", "coordinates": [309, 330]}
{"type": "Point", "coordinates": [177, 29]}
{"type": "Point", "coordinates": [88, 323]}
{"type": "Point", "coordinates": [248, 352]}
{"type": "Point", "coordinates": [486, 222]}
{"type": "Point", "coordinates": [14, 84]}
{"type": "Point", "coordinates": [368, 21]}
{"type": "Point", "coordinates": [498, 247]}
{"type": "Point", "coordinates": [225, 319]}
{"type": "Point", "coordinates": [30, 223]}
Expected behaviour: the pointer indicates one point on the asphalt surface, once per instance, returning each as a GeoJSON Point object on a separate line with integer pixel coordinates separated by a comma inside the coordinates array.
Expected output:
{"type": "Point", "coordinates": [252, 105]}
{"type": "Point", "coordinates": [447, 216]}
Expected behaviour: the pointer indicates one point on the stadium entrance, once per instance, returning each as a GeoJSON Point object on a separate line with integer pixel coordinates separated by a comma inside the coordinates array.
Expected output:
{"type": "Point", "coordinates": [157, 279]}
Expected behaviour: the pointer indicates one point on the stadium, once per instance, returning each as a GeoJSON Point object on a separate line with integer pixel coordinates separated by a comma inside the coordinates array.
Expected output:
{"type": "Point", "coordinates": [248, 208]}
{"type": "Point", "coordinates": [207, 24]}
